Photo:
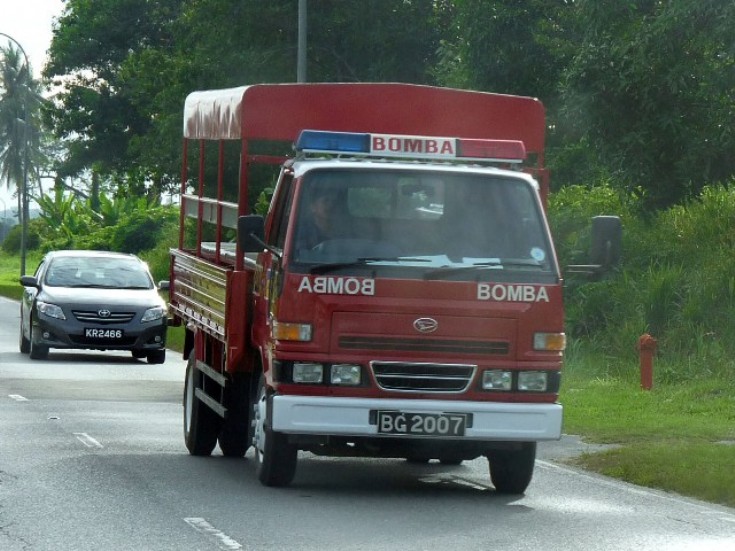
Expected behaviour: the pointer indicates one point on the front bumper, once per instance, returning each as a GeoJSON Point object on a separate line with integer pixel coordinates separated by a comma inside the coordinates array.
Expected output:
{"type": "Point", "coordinates": [61, 334]}
{"type": "Point", "coordinates": [492, 421]}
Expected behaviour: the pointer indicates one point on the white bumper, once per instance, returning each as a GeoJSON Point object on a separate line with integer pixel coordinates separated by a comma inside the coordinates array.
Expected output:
{"type": "Point", "coordinates": [492, 421]}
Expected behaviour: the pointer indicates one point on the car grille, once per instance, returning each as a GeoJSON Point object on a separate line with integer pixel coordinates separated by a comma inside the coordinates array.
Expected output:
{"type": "Point", "coordinates": [93, 316]}
{"type": "Point", "coordinates": [425, 345]}
{"type": "Point", "coordinates": [423, 377]}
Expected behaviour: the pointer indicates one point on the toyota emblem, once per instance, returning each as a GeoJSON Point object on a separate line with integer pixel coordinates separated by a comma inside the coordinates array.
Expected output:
{"type": "Point", "coordinates": [104, 313]}
{"type": "Point", "coordinates": [425, 325]}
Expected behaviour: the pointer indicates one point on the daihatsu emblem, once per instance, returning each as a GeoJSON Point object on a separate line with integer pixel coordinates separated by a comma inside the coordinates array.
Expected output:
{"type": "Point", "coordinates": [425, 325]}
{"type": "Point", "coordinates": [104, 313]}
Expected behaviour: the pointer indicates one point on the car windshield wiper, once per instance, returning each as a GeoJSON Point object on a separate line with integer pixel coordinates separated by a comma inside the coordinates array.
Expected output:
{"type": "Point", "coordinates": [498, 264]}
{"type": "Point", "coordinates": [362, 261]}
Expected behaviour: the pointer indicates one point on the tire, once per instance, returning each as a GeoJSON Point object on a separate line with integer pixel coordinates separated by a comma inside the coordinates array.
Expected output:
{"type": "Point", "coordinates": [275, 458]}
{"type": "Point", "coordinates": [236, 434]}
{"type": "Point", "coordinates": [37, 351]}
{"type": "Point", "coordinates": [201, 424]}
{"type": "Point", "coordinates": [156, 356]}
{"type": "Point", "coordinates": [24, 344]}
{"type": "Point", "coordinates": [511, 470]}
{"type": "Point", "coordinates": [138, 354]}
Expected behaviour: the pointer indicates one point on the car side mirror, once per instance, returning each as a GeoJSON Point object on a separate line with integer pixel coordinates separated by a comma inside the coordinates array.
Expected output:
{"type": "Point", "coordinates": [605, 248]}
{"type": "Point", "coordinates": [28, 281]}
{"type": "Point", "coordinates": [164, 285]}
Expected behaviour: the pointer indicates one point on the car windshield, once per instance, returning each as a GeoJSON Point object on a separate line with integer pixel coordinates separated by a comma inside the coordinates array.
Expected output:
{"type": "Point", "coordinates": [101, 272]}
{"type": "Point", "coordinates": [420, 224]}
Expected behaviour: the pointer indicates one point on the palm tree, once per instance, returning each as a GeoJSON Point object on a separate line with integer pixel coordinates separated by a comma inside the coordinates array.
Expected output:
{"type": "Point", "coordinates": [20, 136]}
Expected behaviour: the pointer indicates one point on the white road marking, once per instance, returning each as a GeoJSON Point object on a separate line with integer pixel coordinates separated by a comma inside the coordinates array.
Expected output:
{"type": "Point", "coordinates": [223, 540]}
{"type": "Point", "coordinates": [87, 440]}
{"type": "Point", "coordinates": [17, 397]}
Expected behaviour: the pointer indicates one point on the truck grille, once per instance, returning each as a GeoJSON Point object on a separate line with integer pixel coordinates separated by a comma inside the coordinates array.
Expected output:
{"type": "Point", "coordinates": [92, 316]}
{"type": "Point", "coordinates": [498, 348]}
{"type": "Point", "coordinates": [423, 377]}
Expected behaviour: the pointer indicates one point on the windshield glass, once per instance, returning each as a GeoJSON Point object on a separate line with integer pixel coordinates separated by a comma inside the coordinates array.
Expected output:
{"type": "Point", "coordinates": [432, 225]}
{"type": "Point", "coordinates": [106, 272]}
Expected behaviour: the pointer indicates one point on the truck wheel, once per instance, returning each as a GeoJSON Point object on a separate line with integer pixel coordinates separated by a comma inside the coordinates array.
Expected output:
{"type": "Point", "coordinates": [236, 434]}
{"type": "Point", "coordinates": [37, 351]}
{"type": "Point", "coordinates": [201, 424]}
{"type": "Point", "coordinates": [275, 458]}
{"type": "Point", "coordinates": [511, 470]}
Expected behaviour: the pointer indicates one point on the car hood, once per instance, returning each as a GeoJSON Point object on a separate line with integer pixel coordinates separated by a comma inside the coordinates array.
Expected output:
{"type": "Point", "coordinates": [131, 298]}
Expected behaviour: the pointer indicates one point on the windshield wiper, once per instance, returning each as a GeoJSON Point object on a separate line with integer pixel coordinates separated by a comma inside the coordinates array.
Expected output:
{"type": "Point", "coordinates": [362, 261]}
{"type": "Point", "coordinates": [498, 264]}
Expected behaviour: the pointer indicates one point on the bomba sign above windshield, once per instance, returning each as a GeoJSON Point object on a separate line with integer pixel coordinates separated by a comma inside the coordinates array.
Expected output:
{"type": "Point", "coordinates": [415, 146]}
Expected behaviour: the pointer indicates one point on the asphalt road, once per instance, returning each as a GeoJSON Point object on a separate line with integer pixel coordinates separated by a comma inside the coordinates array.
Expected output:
{"type": "Point", "coordinates": [92, 457]}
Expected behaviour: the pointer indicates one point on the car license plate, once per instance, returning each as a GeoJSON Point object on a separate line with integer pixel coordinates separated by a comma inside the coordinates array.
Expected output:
{"type": "Point", "coordinates": [421, 424]}
{"type": "Point", "coordinates": [113, 334]}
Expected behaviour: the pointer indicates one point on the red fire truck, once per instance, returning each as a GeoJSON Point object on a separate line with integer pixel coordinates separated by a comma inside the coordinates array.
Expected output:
{"type": "Point", "coordinates": [401, 298]}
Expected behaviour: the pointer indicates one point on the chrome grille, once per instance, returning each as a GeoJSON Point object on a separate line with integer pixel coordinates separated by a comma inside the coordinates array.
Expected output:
{"type": "Point", "coordinates": [423, 377]}
{"type": "Point", "coordinates": [93, 316]}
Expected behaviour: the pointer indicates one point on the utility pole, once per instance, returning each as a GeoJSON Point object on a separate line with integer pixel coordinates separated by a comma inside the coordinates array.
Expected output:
{"type": "Point", "coordinates": [301, 53]}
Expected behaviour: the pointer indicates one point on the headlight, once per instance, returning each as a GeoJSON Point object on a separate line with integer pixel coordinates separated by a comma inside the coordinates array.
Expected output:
{"type": "Point", "coordinates": [496, 379]}
{"type": "Point", "coordinates": [345, 374]}
{"type": "Point", "coordinates": [533, 381]}
{"type": "Point", "coordinates": [549, 342]}
{"type": "Point", "coordinates": [291, 331]}
{"type": "Point", "coordinates": [153, 314]}
{"type": "Point", "coordinates": [50, 310]}
{"type": "Point", "coordinates": [310, 373]}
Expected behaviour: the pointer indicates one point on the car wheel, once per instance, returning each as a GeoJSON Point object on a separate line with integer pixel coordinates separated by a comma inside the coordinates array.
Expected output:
{"type": "Point", "coordinates": [157, 356]}
{"type": "Point", "coordinates": [236, 434]}
{"type": "Point", "coordinates": [511, 470]}
{"type": "Point", "coordinates": [37, 351]}
{"type": "Point", "coordinates": [25, 344]}
{"type": "Point", "coordinates": [275, 458]}
{"type": "Point", "coordinates": [201, 424]}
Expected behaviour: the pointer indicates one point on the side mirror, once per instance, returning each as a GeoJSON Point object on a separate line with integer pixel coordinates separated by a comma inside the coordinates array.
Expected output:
{"type": "Point", "coordinates": [251, 233]}
{"type": "Point", "coordinates": [28, 281]}
{"type": "Point", "coordinates": [607, 242]}
{"type": "Point", "coordinates": [164, 285]}
{"type": "Point", "coordinates": [605, 248]}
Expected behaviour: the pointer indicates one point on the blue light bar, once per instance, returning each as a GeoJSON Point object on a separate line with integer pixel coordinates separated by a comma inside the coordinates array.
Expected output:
{"type": "Point", "coordinates": [333, 142]}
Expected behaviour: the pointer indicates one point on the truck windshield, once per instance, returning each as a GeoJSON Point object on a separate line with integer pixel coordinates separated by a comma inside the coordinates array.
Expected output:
{"type": "Point", "coordinates": [421, 224]}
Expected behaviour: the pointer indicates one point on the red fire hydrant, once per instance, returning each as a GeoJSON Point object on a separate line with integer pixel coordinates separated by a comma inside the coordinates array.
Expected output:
{"type": "Point", "coordinates": [646, 350]}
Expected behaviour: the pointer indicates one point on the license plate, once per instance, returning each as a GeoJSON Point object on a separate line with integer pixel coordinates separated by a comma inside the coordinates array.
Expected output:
{"type": "Point", "coordinates": [421, 424]}
{"type": "Point", "coordinates": [92, 333]}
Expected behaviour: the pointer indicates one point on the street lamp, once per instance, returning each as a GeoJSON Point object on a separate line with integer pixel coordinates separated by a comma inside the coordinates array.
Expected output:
{"type": "Point", "coordinates": [24, 189]}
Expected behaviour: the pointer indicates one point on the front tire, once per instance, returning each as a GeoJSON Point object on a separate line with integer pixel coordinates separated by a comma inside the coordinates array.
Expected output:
{"type": "Point", "coordinates": [24, 344]}
{"type": "Point", "coordinates": [511, 470]}
{"type": "Point", "coordinates": [201, 424]}
{"type": "Point", "coordinates": [37, 351]}
{"type": "Point", "coordinates": [275, 458]}
{"type": "Point", "coordinates": [236, 434]}
{"type": "Point", "coordinates": [157, 356]}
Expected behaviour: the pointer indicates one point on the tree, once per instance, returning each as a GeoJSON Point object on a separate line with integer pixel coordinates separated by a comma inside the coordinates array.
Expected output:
{"type": "Point", "coordinates": [20, 130]}
{"type": "Point", "coordinates": [651, 89]}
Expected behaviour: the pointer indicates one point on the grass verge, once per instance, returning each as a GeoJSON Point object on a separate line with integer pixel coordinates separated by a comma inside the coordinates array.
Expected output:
{"type": "Point", "coordinates": [676, 437]}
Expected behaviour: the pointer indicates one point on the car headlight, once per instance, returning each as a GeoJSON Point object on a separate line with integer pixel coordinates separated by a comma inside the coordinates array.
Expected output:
{"type": "Point", "coordinates": [50, 310]}
{"type": "Point", "coordinates": [533, 381]}
{"type": "Point", "coordinates": [345, 374]}
{"type": "Point", "coordinates": [496, 379]}
{"type": "Point", "coordinates": [153, 314]}
{"type": "Point", "coordinates": [310, 373]}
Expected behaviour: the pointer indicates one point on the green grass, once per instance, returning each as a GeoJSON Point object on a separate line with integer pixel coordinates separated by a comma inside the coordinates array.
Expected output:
{"type": "Point", "coordinates": [678, 437]}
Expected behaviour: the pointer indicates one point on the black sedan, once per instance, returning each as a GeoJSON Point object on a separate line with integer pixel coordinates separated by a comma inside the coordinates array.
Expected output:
{"type": "Point", "coordinates": [94, 300]}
